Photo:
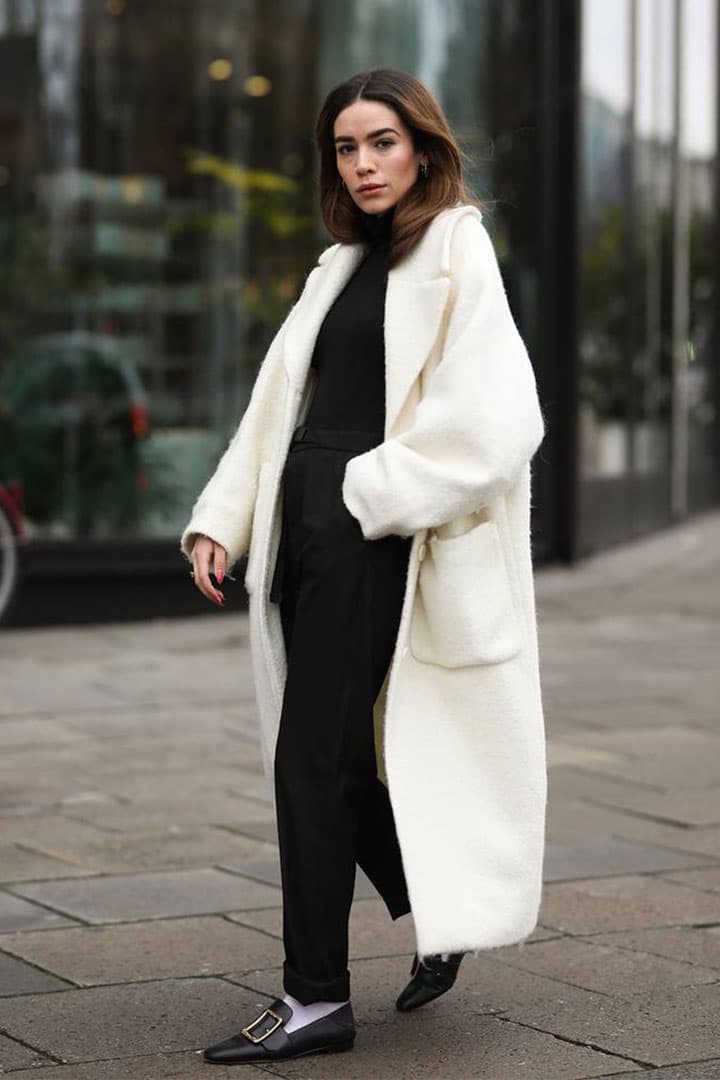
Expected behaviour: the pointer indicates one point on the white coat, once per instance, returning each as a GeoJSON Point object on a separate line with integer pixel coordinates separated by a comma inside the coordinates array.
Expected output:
{"type": "Point", "coordinates": [459, 721]}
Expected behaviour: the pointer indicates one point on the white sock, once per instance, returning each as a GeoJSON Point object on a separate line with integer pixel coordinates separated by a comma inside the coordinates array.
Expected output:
{"type": "Point", "coordinates": [305, 1014]}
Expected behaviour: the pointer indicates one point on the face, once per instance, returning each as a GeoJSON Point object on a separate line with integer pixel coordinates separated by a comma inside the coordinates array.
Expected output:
{"type": "Point", "coordinates": [374, 150]}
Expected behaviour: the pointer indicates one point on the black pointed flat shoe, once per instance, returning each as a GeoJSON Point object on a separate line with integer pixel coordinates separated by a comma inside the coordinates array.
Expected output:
{"type": "Point", "coordinates": [265, 1038]}
{"type": "Point", "coordinates": [428, 980]}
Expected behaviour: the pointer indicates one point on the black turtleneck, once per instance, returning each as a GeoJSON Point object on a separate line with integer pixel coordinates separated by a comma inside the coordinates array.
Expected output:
{"type": "Point", "coordinates": [349, 354]}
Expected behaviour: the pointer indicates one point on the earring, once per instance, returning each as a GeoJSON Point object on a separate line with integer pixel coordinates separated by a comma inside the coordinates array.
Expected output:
{"type": "Point", "coordinates": [424, 170]}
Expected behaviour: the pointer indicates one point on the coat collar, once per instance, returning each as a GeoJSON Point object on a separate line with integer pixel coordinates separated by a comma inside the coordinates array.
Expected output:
{"type": "Point", "coordinates": [415, 300]}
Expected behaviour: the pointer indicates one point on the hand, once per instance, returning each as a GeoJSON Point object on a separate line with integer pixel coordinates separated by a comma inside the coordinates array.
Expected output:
{"type": "Point", "coordinates": [209, 557]}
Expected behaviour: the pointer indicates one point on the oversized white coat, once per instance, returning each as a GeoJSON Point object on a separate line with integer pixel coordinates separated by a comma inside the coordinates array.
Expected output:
{"type": "Point", "coordinates": [459, 720]}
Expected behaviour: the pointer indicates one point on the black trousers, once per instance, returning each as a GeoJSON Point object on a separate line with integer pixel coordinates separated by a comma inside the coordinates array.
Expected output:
{"type": "Point", "coordinates": [340, 601]}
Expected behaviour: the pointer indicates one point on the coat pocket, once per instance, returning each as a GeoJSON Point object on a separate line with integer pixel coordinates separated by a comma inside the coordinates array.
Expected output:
{"type": "Point", "coordinates": [464, 609]}
{"type": "Point", "coordinates": [259, 517]}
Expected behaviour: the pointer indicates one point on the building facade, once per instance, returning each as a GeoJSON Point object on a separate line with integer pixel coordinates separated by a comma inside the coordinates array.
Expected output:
{"type": "Point", "coordinates": [158, 215]}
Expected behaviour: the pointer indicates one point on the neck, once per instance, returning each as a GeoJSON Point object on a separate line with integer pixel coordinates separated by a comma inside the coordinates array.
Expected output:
{"type": "Point", "coordinates": [377, 228]}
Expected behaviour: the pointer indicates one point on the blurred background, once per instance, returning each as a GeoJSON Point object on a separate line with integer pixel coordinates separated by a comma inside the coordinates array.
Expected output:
{"type": "Point", "coordinates": [158, 216]}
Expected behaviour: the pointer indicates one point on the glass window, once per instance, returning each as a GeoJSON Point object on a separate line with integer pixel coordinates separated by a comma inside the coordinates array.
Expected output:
{"type": "Point", "coordinates": [605, 234]}
{"type": "Point", "coordinates": [650, 386]}
{"type": "Point", "coordinates": [697, 336]}
{"type": "Point", "coordinates": [158, 215]}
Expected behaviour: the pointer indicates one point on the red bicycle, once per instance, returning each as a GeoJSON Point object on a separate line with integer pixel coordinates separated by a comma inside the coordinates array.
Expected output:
{"type": "Point", "coordinates": [12, 536]}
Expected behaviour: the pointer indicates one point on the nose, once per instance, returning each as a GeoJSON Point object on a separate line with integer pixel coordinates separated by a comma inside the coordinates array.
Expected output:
{"type": "Point", "coordinates": [363, 162]}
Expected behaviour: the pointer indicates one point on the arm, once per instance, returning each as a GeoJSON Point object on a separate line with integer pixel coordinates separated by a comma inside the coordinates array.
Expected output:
{"type": "Point", "coordinates": [224, 509]}
{"type": "Point", "coordinates": [478, 422]}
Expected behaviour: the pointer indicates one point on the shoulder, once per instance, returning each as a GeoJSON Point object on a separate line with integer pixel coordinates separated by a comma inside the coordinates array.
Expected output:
{"type": "Point", "coordinates": [451, 234]}
{"type": "Point", "coordinates": [455, 232]}
{"type": "Point", "coordinates": [327, 253]}
{"type": "Point", "coordinates": [469, 251]}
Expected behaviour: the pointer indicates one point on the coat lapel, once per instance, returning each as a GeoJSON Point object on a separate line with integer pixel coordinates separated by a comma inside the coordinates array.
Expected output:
{"type": "Point", "coordinates": [413, 313]}
{"type": "Point", "coordinates": [323, 286]}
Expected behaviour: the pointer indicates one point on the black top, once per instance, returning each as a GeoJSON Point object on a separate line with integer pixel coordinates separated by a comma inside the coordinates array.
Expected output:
{"type": "Point", "coordinates": [349, 354]}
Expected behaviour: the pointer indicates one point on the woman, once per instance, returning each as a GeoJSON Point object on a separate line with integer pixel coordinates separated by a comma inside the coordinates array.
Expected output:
{"type": "Point", "coordinates": [380, 479]}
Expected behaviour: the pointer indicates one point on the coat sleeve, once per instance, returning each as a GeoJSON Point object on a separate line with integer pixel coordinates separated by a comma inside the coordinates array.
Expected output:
{"type": "Point", "coordinates": [225, 506]}
{"type": "Point", "coordinates": [478, 422]}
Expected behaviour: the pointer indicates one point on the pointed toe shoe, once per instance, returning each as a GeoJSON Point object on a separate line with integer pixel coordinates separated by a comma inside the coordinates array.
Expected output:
{"type": "Point", "coordinates": [428, 980]}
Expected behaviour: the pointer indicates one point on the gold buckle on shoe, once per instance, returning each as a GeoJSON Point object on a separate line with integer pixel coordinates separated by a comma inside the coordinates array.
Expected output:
{"type": "Point", "coordinates": [259, 1038]}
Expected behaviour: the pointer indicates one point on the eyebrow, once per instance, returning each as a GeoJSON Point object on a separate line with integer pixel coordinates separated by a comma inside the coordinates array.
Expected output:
{"type": "Point", "coordinates": [371, 135]}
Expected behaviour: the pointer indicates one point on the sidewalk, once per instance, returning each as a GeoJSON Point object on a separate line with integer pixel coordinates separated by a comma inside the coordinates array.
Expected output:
{"type": "Point", "coordinates": [140, 910]}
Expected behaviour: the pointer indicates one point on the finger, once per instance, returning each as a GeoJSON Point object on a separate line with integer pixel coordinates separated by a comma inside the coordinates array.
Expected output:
{"type": "Point", "coordinates": [219, 562]}
{"type": "Point", "coordinates": [202, 574]}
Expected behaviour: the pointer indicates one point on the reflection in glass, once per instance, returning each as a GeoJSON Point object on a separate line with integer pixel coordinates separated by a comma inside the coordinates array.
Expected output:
{"type": "Point", "coordinates": [606, 139]}
{"type": "Point", "coordinates": [158, 216]}
{"type": "Point", "coordinates": [155, 223]}
{"type": "Point", "coordinates": [697, 344]}
{"type": "Point", "coordinates": [650, 387]}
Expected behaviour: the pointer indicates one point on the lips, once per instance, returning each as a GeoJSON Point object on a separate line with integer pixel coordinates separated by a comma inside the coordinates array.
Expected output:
{"type": "Point", "coordinates": [370, 187]}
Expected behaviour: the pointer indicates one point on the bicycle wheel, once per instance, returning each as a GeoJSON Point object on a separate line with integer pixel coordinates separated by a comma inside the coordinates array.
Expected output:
{"type": "Point", "coordinates": [9, 564]}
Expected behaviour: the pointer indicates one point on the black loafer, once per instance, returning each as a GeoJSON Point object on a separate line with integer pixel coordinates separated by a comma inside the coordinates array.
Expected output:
{"type": "Point", "coordinates": [429, 979]}
{"type": "Point", "coordinates": [265, 1038]}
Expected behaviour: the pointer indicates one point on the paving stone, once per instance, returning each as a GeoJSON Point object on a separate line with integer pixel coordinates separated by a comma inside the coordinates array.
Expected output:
{"type": "Point", "coordinates": [29, 689]}
{"type": "Point", "coordinates": [19, 978]}
{"type": "Point", "coordinates": [570, 820]}
{"type": "Point", "coordinates": [657, 756]}
{"type": "Point", "coordinates": [566, 753]}
{"type": "Point", "coordinates": [166, 786]}
{"type": "Point", "coordinates": [372, 931]}
{"type": "Point", "coordinates": [161, 949]}
{"type": "Point", "coordinates": [603, 856]}
{"type": "Point", "coordinates": [707, 879]}
{"type": "Point", "coordinates": [565, 783]}
{"type": "Point", "coordinates": [217, 808]}
{"type": "Point", "coordinates": [631, 683]}
{"type": "Point", "coordinates": [690, 945]}
{"type": "Point", "coordinates": [451, 1037]}
{"type": "Point", "coordinates": [19, 914]}
{"type": "Point", "coordinates": [699, 808]}
{"type": "Point", "coordinates": [174, 847]}
{"type": "Point", "coordinates": [617, 972]}
{"type": "Point", "coordinates": [656, 1029]}
{"type": "Point", "coordinates": [21, 864]}
{"type": "Point", "coordinates": [47, 831]}
{"type": "Point", "coordinates": [177, 1066]}
{"type": "Point", "coordinates": [13, 1055]}
{"type": "Point", "coordinates": [145, 896]}
{"type": "Point", "coordinates": [124, 1021]}
{"type": "Point", "coordinates": [445, 1045]}
{"type": "Point", "coordinates": [679, 838]}
{"type": "Point", "coordinates": [262, 830]}
{"type": "Point", "coordinates": [269, 920]}
{"type": "Point", "coordinates": [624, 903]}
{"type": "Point", "coordinates": [700, 1070]}
{"type": "Point", "coordinates": [484, 985]}
{"type": "Point", "coordinates": [268, 870]}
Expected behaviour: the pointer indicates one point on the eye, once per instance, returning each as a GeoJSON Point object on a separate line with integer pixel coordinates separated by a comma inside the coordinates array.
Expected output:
{"type": "Point", "coordinates": [387, 142]}
{"type": "Point", "coordinates": [345, 146]}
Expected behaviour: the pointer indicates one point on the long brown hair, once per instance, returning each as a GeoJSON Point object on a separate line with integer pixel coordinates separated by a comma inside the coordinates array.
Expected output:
{"type": "Point", "coordinates": [417, 108]}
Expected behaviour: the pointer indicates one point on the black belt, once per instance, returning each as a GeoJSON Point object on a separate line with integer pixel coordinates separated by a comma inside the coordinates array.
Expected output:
{"type": "Point", "coordinates": [337, 440]}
